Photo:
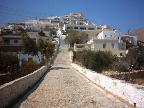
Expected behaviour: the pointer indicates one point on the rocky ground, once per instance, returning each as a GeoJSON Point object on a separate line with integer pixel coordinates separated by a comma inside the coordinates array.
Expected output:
{"type": "Point", "coordinates": [64, 87]}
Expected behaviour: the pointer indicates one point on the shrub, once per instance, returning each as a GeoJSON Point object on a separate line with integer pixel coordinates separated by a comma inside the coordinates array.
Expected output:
{"type": "Point", "coordinates": [120, 66]}
{"type": "Point", "coordinates": [96, 61]}
{"type": "Point", "coordinates": [41, 33]}
{"type": "Point", "coordinates": [71, 49]}
{"type": "Point", "coordinates": [8, 62]}
{"type": "Point", "coordinates": [80, 46]}
{"type": "Point", "coordinates": [135, 57]}
{"type": "Point", "coordinates": [29, 63]}
{"type": "Point", "coordinates": [76, 37]}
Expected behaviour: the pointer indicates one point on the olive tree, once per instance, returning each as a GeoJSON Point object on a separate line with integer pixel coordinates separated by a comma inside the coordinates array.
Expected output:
{"type": "Point", "coordinates": [29, 45]}
{"type": "Point", "coordinates": [76, 37]}
{"type": "Point", "coordinates": [46, 48]}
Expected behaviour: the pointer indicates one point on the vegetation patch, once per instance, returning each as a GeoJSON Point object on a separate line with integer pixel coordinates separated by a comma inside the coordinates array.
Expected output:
{"type": "Point", "coordinates": [97, 61]}
{"type": "Point", "coordinates": [129, 68]}
{"type": "Point", "coordinates": [80, 46]}
{"type": "Point", "coordinates": [10, 69]}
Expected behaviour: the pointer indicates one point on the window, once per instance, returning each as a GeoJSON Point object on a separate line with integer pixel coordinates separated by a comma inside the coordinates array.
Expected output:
{"type": "Point", "coordinates": [90, 28]}
{"type": "Point", "coordinates": [104, 45]}
{"type": "Point", "coordinates": [7, 41]}
{"type": "Point", "coordinates": [112, 45]}
{"type": "Point", "coordinates": [68, 27]}
{"type": "Point", "coordinates": [105, 35]}
{"type": "Point", "coordinates": [75, 27]}
{"type": "Point", "coordinates": [111, 35]}
{"type": "Point", "coordinates": [83, 28]}
{"type": "Point", "coordinates": [81, 23]}
{"type": "Point", "coordinates": [15, 41]}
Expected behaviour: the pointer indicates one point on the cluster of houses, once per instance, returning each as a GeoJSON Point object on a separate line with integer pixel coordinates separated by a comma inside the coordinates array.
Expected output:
{"type": "Point", "coordinates": [112, 41]}
{"type": "Point", "coordinates": [109, 40]}
{"type": "Point", "coordinates": [101, 37]}
{"type": "Point", "coordinates": [11, 40]}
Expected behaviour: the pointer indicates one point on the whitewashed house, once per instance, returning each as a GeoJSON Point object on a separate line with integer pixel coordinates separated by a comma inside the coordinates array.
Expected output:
{"type": "Point", "coordinates": [31, 24]}
{"type": "Point", "coordinates": [114, 34]}
{"type": "Point", "coordinates": [109, 34]}
{"type": "Point", "coordinates": [108, 41]}
{"type": "Point", "coordinates": [78, 27]}
{"type": "Point", "coordinates": [77, 21]}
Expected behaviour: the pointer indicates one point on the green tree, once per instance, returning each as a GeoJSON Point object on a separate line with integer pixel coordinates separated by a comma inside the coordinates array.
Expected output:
{"type": "Point", "coordinates": [29, 45]}
{"type": "Point", "coordinates": [52, 31]}
{"type": "Point", "coordinates": [46, 28]}
{"type": "Point", "coordinates": [72, 38]}
{"type": "Point", "coordinates": [83, 37]}
{"type": "Point", "coordinates": [31, 48]}
{"type": "Point", "coordinates": [8, 62]}
{"type": "Point", "coordinates": [128, 44]}
{"type": "Point", "coordinates": [96, 61]}
{"type": "Point", "coordinates": [46, 48]}
{"type": "Point", "coordinates": [135, 56]}
{"type": "Point", "coordinates": [76, 37]}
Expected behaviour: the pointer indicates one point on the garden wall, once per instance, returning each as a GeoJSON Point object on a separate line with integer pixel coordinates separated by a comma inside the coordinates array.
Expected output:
{"type": "Point", "coordinates": [119, 88]}
{"type": "Point", "coordinates": [11, 91]}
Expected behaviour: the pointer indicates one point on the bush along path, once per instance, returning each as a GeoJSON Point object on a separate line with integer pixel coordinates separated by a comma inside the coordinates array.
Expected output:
{"type": "Point", "coordinates": [129, 68]}
{"type": "Point", "coordinates": [63, 87]}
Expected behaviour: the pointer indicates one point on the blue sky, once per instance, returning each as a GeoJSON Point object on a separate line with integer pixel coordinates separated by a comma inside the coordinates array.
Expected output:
{"type": "Point", "coordinates": [122, 14]}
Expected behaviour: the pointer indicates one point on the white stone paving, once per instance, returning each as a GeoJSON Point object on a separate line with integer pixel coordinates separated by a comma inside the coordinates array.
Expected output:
{"type": "Point", "coordinates": [63, 87]}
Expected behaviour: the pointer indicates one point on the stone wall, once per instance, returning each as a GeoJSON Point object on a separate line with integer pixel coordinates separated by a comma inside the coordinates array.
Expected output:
{"type": "Point", "coordinates": [124, 90]}
{"type": "Point", "coordinates": [11, 91]}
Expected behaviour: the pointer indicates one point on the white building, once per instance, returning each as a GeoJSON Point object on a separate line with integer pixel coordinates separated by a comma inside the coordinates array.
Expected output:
{"type": "Point", "coordinates": [113, 34]}
{"type": "Point", "coordinates": [112, 45]}
{"type": "Point", "coordinates": [111, 40]}
{"type": "Point", "coordinates": [109, 34]}
{"type": "Point", "coordinates": [31, 24]}
{"type": "Point", "coordinates": [78, 27]}
{"type": "Point", "coordinates": [76, 21]}
{"type": "Point", "coordinates": [54, 19]}
{"type": "Point", "coordinates": [108, 40]}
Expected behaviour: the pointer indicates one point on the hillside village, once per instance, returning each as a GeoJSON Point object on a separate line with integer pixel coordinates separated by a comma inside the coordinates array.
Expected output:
{"type": "Point", "coordinates": [28, 45]}
{"type": "Point", "coordinates": [100, 37]}
{"type": "Point", "coordinates": [55, 28]}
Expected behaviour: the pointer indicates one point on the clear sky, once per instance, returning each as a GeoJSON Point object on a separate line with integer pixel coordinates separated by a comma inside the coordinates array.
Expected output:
{"type": "Point", "coordinates": [122, 14]}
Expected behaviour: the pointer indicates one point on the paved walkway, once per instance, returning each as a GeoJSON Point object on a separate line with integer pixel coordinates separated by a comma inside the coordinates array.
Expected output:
{"type": "Point", "coordinates": [64, 87]}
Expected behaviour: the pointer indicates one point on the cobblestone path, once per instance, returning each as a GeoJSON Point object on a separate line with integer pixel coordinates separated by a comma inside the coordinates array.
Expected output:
{"type": "Point", "coordinates": [64, 87]}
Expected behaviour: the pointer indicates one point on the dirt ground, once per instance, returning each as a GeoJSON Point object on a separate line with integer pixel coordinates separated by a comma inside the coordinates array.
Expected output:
{"type": "Point", "coordinates": [135, 77]}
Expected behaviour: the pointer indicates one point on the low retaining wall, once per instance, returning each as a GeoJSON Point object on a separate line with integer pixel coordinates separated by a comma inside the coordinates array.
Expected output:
{"type": "Point", "coordinates": [11, 91]}
{"type": "Point", "coordinates": [119, 88]}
